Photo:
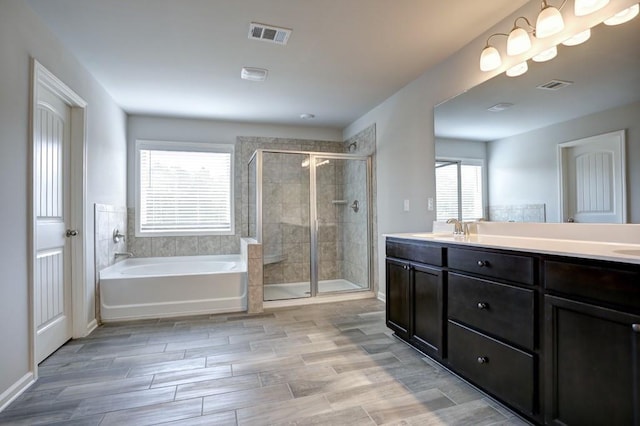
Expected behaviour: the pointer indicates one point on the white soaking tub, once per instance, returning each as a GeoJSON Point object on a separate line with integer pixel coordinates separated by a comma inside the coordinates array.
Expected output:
{"type": "Point", "coordinates": [157, 287]}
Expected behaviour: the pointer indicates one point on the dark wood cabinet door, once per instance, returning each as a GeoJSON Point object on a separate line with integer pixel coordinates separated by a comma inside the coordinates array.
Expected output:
{"type": "Point", "coordinates": [591, 364]}
{"type": "Point", "coordinates": [427, 327]}
{"type": "Point", "coordinates": [399, 298]}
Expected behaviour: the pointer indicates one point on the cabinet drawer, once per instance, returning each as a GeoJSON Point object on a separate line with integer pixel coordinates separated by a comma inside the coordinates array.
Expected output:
{"type": "Point", "coordinates": [506, 372]}
{"type": "Point", "coordinates": [415, 251]}
{"type": "Point", "coordinates": [605, 283]}
{"type": "Point", "coordinates": [496, 265]}
{"type": "Point", "coordinates": [501, 310]}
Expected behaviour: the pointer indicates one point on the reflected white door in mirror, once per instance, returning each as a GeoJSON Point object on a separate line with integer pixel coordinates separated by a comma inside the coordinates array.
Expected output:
{"type": "Point", "coordinates": [592, 179]}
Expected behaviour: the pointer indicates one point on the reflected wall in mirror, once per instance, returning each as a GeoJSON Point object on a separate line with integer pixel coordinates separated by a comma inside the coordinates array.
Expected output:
{"type": "Point", "coordinates": [599, 92]}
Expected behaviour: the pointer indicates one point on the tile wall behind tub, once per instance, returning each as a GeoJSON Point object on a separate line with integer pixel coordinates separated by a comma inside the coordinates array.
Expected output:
{"type": "Point", "coordinates": [106, 219]}
{"type": "Point", "coordinates": [518, 213]}
{"type": "Point", "coordinates": [224, 244]}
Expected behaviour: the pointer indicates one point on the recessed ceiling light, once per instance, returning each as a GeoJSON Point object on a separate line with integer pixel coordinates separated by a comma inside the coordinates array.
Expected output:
{"type": "Point", "coordinates": [253, 74]}
{"type": "Point", "coordinates": [307, 116]}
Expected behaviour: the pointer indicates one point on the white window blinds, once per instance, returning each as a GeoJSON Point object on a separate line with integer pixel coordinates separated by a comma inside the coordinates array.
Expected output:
{"type": "Point", "coordinates": [458, 191]}
{"type": "Point", "coordinates": [184, 192]}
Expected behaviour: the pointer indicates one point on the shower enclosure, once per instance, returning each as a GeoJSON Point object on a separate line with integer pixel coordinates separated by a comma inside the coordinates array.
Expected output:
{"type": "Point", "coordinates": [311, 212]}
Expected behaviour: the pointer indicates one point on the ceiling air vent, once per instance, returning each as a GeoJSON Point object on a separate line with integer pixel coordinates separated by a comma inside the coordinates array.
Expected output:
{"type": "Point", "coordinates": [269, 33]}
{"type": "Point", "coordinates": [500, 107]}
{"type": "Point", "coordinates": [555, 85]}
{"type": "Point", "coordinates": [253, 74]}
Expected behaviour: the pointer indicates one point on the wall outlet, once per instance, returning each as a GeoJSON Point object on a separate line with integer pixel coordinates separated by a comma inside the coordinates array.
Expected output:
{"type": "Point", "coordinates": [430, 204]}
{"type": "Point", "coordinates": [406, 205]}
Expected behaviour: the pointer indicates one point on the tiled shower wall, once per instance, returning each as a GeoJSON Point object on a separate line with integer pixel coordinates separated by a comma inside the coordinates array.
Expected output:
{"type": "Point", "coordinates": [286, 209]}
{"type": "Point", "coordinates": [354, 267]}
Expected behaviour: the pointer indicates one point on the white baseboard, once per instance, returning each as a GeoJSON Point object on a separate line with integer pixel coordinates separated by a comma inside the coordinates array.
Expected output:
{"type": "Point", "coordinates": [382, 297]}
{"type": "Point", "coordinates": [15, 390]}
{"type": "Point", "coordinates": [91, 326]}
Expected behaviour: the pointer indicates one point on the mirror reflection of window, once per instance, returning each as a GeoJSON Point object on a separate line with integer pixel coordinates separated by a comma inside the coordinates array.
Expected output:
{"type": "Point", "coordinates": [459, 190]}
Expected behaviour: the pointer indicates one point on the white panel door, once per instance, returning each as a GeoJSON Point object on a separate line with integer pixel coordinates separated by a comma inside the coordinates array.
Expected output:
{"type": "Point", "coordinates": [594, 179]}
{"type": "Point", "coordinates": [52, 278]}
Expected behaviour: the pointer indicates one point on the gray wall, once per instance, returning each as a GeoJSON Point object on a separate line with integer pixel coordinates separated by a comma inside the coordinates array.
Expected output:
{"type": "Point", "coordinates": [22, 35]}
{"type": "Point", "coordinates": [523, 169]}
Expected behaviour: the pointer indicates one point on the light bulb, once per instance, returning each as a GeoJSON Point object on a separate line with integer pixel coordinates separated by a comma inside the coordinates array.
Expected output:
{"type": "Point", "coordinates": [623, 16]}
{"type": "Point", "coordinates": [546, 55]}
{"type": "Point", "coordinates": [517, 70]}
{"type": "Point", "coordinates": [586, 7]}
{"type": "Point", "coordinates": [578, 38]}
{"type": "Point", "coordinates": [549, 22]}
{"type": "Point", "coordinates": [518, 42]}
{"type": "Point", "coordinates": [490, 59]}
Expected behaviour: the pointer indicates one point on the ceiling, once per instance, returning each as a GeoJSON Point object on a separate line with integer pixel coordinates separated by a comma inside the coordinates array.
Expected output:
{"type": "Point", "coordinates": [604, 71]}
{"type": "Point", "coordinates": [183, 58]}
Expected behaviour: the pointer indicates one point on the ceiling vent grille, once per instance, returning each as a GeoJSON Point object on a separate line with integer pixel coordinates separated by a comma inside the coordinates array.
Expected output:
{"type": "Point", "coordinates": [555, 85]}
{"type": "Point", "coordinates": [500, 107]}
{"type": "Point", "coordinates": [269, 33]}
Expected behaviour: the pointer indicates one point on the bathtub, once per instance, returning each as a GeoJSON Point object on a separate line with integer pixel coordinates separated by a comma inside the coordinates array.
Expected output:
{"type": "Point", "coordinates": [158, 287]}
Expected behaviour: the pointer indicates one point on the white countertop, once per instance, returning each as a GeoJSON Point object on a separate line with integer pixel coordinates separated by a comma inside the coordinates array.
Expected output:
{"type": "Point", "coordinates": [612, 251]}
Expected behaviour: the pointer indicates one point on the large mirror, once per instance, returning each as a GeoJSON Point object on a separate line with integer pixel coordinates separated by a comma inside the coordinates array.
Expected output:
{"type": "Point", "coordinates": [594, 89]}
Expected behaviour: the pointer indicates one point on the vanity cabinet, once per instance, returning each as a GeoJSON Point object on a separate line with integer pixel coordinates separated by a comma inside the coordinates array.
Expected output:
{"type": "Point", "coordinates": [592, 331]}
{"type": "Point", "coordinates": [415, 294]}
{"type": "Point", "coordinates": [491, 307]}
{"type": "Point", "coordinates": [556, 338]}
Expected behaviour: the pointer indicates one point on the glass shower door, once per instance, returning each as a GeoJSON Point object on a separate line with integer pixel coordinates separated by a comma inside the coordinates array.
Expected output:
{"type": "Point", "coordinates": [341, 207]}
{"type": "Point", "coordinates": [286, 225]}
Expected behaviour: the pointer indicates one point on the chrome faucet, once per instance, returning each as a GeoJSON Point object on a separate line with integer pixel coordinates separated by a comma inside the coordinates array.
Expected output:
{"type": "Point", "coordinates": [457, 227]}
{"type": "Point", "coordinates": [122, 254]}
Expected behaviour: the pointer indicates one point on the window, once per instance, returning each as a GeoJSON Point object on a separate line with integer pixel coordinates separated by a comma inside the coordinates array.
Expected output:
{"type": "Point", "coordinates": [184, 189]}
{"type": "Point", "coordinates": [459, 190]}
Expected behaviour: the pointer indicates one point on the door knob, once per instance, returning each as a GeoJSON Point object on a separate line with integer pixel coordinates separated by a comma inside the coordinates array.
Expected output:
{"type": "Point", "coordinates": [483, 360]}
{"type": "Point", "coordinates": [71, 233]}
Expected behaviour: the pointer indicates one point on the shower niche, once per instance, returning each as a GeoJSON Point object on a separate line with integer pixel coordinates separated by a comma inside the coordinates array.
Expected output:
{"type": "Point", "coordinates": [311, 212]}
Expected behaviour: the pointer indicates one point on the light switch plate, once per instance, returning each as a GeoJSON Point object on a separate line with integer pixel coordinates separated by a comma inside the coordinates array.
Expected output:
{"type": "Point", "coordinates": [430, 204]}
{"type": "Point", "coordinates": [406, 205]}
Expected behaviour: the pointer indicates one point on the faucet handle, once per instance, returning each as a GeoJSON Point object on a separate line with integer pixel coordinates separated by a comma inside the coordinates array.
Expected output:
{"type": "Point", "coordinates": [117, 235]}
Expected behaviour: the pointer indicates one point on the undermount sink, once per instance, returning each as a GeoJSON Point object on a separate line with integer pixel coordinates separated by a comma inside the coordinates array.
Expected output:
{"type": "Point", "coordinates": [630, 252]}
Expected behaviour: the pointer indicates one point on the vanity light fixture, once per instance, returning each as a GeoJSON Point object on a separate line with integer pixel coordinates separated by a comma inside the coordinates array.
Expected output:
{"type": "Point", "coordinates": [549, 21]}
{"type": "Point", "coordinates": [517, 70]}
{"type": "Point", "coordinates": [518, 40]}
{"type": "Point", "coordinates": [586, 7]}
{"type": "Point", "coordinates": [578, 38]}
{"type": "Point", "coordinates": [624, 15]}
{"type": "Point", "coordinates": [490, 57]}
{"type": "Point", "coordinates": [546, 55]}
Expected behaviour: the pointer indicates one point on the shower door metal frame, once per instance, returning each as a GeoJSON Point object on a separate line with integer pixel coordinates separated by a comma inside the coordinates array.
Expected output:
{"type": "Point", "coordinates": [313, 213]}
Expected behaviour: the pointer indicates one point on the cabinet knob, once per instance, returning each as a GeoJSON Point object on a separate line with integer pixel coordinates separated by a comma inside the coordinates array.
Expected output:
{"type": "Point", "coordinates": [483, 263]}
{"type": "Point", "coordinates": [483, 360]}
{"type": "Point", "coordinates": [636, 328]}
{"type": "Point", "coordinates": [483, 305]}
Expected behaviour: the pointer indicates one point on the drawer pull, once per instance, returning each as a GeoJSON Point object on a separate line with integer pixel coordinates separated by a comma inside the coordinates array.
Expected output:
{"type": "Point", "coordinates": [483, 305]}
{"type": "Point", "coordinates": [636, 328]}
{"type": "Point", "coordinates": [483, 360]}
{"type": "Point", "coordinates": [483, 263]}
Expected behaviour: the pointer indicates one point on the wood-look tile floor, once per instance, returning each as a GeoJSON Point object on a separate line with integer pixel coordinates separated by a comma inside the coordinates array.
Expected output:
{"type": "Point", "coordinates": [330, 364]}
